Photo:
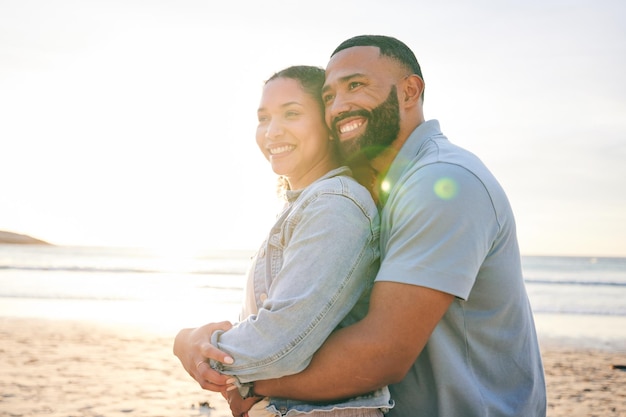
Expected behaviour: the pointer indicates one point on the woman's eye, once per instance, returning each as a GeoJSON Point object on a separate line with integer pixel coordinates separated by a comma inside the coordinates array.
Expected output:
{"type": "Point", "coordinates": [291, 114]}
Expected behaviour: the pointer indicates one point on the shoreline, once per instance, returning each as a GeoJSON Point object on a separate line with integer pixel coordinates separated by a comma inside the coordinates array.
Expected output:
{"type": "Point", "coordinates": [555, 330]}
{"type": "Point", "coordinates": [576, 331]}
{"type": "Point", "coordinates": [61, 367]}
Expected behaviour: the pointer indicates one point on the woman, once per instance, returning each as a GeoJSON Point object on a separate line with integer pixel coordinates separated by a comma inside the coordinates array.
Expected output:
{"type": "Point", "coordinates": [315, 270]}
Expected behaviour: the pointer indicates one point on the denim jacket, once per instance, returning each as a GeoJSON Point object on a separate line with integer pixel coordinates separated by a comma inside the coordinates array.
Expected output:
{"type": "Point", "coordinates": [312, 275]}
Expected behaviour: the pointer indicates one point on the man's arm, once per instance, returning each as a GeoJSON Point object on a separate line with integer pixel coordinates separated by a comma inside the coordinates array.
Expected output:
{"type": "Point", "coordinates": [377, 351]}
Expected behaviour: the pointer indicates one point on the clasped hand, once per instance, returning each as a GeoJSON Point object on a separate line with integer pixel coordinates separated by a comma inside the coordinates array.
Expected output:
{"type": "Point", "coordinates": [193, 348]}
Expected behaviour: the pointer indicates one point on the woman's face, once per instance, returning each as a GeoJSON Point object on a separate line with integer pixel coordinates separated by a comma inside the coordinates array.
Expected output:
{"type": "Point", "coordinates": [292, 133]}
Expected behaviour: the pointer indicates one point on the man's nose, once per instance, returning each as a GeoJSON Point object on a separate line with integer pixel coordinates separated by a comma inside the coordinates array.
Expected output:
{"type": "Point", "coordinates": [337, 107]}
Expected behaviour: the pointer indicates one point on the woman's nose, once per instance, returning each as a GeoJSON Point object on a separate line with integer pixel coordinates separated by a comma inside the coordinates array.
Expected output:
{"type": "Point", "coordinates": [274, 130]}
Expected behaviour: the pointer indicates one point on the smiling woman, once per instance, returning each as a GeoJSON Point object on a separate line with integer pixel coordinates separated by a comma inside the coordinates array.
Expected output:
{"type": "Point", "coordinates": [290, 125]}
{"type": "Point", "coordinates": [326, 215]}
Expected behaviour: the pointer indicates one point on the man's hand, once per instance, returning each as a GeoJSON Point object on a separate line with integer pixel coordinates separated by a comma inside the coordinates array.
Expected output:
{"type": "Point", "coordinates": [238, 406]}
{"type": "Point", "coordinates": [193, 348]}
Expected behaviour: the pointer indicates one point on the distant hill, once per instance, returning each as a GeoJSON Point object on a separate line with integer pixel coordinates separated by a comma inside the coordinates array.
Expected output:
{"type": "Point", "coordinates": [15, 238]}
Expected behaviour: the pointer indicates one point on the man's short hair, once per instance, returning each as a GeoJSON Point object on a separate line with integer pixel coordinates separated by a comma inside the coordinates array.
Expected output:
{"type": "Point", "coordinates": [389, 47]}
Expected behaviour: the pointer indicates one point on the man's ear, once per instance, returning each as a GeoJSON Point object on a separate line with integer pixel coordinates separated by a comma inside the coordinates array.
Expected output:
{"type": "Point", "coordinates": [412, 90]}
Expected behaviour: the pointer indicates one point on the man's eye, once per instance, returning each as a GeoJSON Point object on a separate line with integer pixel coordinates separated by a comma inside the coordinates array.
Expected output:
{"type": "Point", "coordinates": [292, 114]}
{"type": "Point", "coordinates": [354, 84]}
{"type": "Point", "coordinates": [263, 119]}
{"type": "Point", "coordinates": [327, 98]}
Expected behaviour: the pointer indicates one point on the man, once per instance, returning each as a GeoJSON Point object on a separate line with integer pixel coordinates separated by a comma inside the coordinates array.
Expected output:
{"type": "Point", "coordinates": [450, 327]}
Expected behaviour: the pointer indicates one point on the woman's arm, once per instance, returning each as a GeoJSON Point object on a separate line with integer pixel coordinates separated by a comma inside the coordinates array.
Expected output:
{"type": "Point", "coordinates": [330, 260]}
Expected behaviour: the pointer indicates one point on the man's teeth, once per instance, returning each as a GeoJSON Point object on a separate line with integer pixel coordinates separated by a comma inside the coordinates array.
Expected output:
{"type": "Point", "coordinates": [281, 149]}
{"type": "Point", "coordinates": [349, 127]}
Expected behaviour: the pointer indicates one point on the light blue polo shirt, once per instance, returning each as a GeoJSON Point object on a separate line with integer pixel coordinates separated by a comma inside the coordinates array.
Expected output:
{"type": "Point", "coordinates": [447, 224]}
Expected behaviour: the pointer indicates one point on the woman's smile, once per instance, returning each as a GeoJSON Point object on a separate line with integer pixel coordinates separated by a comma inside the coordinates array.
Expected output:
{"type": "Point", "coordinates": [281, 149]}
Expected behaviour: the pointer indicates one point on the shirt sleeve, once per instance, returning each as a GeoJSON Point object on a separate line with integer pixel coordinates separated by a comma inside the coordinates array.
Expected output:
{"type": "Point", "coordinates": [439, 225]}
{"type": "Point", "coordinates": [330, 259]}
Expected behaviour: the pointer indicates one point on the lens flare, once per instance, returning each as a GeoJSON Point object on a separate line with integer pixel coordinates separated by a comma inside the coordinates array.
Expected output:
{"type": "Point", "coordinates": [385, 186]}
{"type": "Point", "coordinates": [446, 188]}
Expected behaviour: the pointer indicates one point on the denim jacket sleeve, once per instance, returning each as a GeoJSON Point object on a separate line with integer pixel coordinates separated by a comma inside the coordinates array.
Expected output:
{"type": "Point", "coordinates": [322, 258]}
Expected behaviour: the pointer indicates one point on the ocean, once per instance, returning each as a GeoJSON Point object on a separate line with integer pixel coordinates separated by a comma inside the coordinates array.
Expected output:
{"type": "Point", "coordinates": [578, 300]}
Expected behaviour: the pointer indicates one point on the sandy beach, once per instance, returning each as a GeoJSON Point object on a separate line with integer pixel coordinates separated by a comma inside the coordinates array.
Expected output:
{"type": "Point", "coordinates": [62, 368]}
{"type": "Point", "coordinates": [72, 368]}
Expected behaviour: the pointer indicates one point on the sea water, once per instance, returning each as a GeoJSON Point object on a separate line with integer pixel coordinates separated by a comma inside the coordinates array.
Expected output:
{"type": "Point", "coordinates": [162, 291]}
{"type": "Point", "coordinates": [581, 300]}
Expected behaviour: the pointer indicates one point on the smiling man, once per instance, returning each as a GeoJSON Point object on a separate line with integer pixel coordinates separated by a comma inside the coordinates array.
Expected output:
{"type": "Point", "coordinates": [449, 325]}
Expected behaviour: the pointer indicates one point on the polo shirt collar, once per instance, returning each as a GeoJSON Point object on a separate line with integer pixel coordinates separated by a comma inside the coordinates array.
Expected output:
{"type": "Point", "coordinates": [407, 154]}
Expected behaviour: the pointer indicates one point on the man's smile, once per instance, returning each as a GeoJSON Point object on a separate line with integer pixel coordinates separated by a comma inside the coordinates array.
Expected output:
{"type": "Point", "coordinates": [349, 124]}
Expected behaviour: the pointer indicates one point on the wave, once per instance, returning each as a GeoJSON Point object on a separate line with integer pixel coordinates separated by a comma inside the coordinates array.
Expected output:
{"type": "Point", "coordinates": [115, 270]}
{"type": "Point", "coordinates": [580, 311]}
{"type": "Point", "coordinates": [220, 296]}
{"type": "Point", "coordinates": [75, 269]}
{"type": "Point", "coordinates": [208, 292]}
{"type": "Point", "coordinates": [68, 297]}
{"type": "Point", "coordinates": [237, 271]}
{"type": "Point", "coordinates": [574, 282]}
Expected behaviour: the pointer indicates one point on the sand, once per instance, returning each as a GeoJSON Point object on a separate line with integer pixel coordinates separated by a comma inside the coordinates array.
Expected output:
{"type": "Point", "coordinates": [66, 368]}
{"type": "Point", "coordinates": [74, 368]}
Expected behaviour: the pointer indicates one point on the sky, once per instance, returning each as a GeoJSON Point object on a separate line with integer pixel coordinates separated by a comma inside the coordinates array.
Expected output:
{"type": "Point", "coordinates": [131, 123]}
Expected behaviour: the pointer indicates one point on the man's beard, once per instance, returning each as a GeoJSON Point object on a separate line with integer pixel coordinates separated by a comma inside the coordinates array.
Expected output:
{"type": "Point", "coordinates": [383, 126]}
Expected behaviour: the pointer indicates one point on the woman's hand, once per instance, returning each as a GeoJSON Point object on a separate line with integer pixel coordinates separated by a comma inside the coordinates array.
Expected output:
{"type": "Point", "coordinates": [193, 348]}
